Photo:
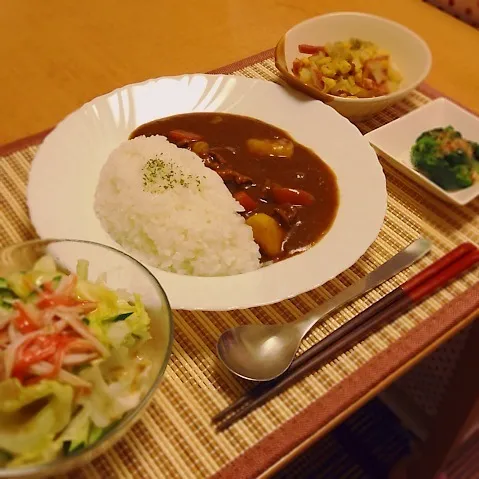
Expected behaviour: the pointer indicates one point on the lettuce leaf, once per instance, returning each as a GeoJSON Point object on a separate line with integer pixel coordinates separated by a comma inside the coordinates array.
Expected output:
{"type": "Point", "coordinates": [115, 322]}
{"type": "Point", "coordinates": [31, 417]}
{"type": "Point", "coordinates": [138, 324]}
{"type": "Point", "coordinates": [119, 383]}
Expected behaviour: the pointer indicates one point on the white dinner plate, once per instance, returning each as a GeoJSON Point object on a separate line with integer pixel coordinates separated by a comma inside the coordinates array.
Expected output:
{"type": "Point", "coordinates": [66, 169]}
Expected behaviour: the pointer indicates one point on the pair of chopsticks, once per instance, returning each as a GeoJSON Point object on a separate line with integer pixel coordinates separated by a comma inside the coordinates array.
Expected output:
{"type": "Point", "coordinates": [384, 311]}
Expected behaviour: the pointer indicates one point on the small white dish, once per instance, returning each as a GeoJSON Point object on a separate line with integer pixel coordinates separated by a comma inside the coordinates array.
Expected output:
{"type": "Point", "coordinates": [66, 168]}
{"type": "Point", "coordinates": [396, 139]}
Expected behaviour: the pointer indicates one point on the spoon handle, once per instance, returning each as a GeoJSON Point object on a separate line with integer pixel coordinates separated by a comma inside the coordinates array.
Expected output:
{"type": "Point", "coordinates": [409, 255]}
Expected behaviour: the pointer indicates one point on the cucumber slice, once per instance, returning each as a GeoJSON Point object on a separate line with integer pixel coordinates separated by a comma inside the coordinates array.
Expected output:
{"type": "Point", "coordinates": [70, 447]}
{"type": "Point", "coordinates": [7, 297]}
{"type": "Point", "coordinates": [18, 285]}
{"type": "Point", "coordinates": [32, 297]}
{"type": "Point", "coordinates": [7, 293]}
{"type": "Point", "coordinates": [121, 317]}
{"type": "Point", "coordinates": [5, 306]}
{"type": "Point", "coordinates": [95, 434]}
{"type": "Point", "coordinates": [46, 264]}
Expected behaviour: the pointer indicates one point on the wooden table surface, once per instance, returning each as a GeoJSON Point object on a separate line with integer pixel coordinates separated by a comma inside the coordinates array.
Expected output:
{"type": "Point", "coordinates": [58, 54]}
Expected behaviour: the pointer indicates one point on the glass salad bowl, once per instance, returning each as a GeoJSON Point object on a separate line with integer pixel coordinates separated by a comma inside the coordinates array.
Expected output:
{"type": "Point", "coordinates": [85, 337]}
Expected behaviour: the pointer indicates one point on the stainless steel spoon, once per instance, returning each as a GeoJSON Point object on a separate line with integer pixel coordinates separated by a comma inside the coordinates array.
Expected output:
{"type": "Point", "coordinates": [263, 352]}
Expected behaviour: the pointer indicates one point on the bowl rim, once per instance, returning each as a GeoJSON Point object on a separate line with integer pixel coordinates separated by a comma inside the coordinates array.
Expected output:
{"type": "Point", "coordinates": [328, 98]}
{"type": "Point", "coordinates": [66, 463]}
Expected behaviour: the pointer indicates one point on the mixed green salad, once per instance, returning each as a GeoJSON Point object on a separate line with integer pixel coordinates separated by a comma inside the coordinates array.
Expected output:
{"type": "Point", "coordinates": [446, 158]}
{"type": "Point", "coordinates": [69, 361]}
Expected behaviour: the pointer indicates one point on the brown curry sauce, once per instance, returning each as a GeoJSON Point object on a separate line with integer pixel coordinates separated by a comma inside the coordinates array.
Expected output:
{"type": "Point", "coordinates": [226, 151]}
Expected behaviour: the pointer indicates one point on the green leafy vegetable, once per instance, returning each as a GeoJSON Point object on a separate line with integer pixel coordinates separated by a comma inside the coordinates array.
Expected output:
{"type": "Point", "coordinates": [31, 417]}
{"type": "Point", "coordinates": [109, 401]}
{"type": "Point", "coordinates": [115, 321]}
{"type": "Point", "coordinates": [445, 158]}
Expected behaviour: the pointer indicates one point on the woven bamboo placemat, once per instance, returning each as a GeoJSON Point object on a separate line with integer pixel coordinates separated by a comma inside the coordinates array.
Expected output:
{"type": "Point", "coordinates": [174, 438]}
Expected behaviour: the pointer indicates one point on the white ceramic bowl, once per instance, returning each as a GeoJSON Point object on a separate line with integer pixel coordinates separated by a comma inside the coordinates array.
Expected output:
{"type": "Point", "coordinates": [409, 53]}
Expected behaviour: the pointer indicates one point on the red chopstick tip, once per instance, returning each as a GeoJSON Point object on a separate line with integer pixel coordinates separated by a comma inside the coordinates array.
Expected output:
{"type": "Point", "coordinates": [431, 271]}
{"type": "Point", "coordinates": [466, 248]}
{"type": "Point", "coordinates": [444, 276]}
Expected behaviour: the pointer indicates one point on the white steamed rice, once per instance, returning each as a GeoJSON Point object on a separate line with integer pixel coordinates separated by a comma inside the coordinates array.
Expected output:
{"type": "Point", "coordinates": [164, 206]}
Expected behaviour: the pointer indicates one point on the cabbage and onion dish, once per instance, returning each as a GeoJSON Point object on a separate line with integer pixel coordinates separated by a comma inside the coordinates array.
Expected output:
{"type": "Point", "coordinates": [353, 68]}
{"type": "Point", "coordinates": [70, 361]}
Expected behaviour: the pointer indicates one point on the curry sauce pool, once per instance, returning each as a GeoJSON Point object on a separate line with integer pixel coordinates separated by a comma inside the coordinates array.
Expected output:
{"type": "Point", "coordinates": [289, 195]}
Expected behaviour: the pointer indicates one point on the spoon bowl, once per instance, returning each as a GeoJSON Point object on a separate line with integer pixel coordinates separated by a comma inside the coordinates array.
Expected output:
{"type": "Point", "coordinates": [263, 352]}
{"type": "Point", "coordinates": [259, 352]}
